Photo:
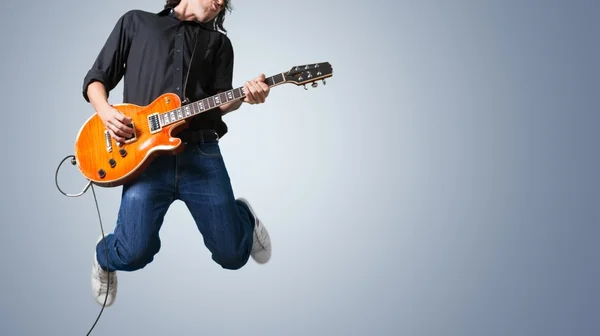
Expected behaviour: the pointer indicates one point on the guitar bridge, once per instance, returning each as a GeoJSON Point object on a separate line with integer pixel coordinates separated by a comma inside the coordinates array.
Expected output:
{"type": "Point", "coordinates": [108, 141]}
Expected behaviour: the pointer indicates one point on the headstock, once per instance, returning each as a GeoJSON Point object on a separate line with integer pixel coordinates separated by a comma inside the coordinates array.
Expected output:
{"type": "Point", "coordinates": [309, 73]}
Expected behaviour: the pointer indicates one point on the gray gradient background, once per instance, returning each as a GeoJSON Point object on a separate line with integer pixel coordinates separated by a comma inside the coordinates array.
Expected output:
{"type": "Point", "coordinates": [444, 182]}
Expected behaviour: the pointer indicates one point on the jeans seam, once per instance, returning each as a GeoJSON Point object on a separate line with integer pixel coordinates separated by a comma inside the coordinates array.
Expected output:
{"type": "Point", "coordinates": [177, 175]}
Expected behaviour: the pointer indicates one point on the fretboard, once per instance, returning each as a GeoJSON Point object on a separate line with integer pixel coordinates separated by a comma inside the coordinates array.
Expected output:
{"type": "Point", "coordinates": [209, 103]}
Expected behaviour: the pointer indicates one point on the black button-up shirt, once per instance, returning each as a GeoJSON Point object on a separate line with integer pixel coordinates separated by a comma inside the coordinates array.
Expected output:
{"type": "Point", "coordinates": [151, 52]}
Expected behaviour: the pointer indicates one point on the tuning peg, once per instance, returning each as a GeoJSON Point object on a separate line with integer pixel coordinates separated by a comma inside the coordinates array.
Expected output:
{"type": "Point", "coordinates": [315, 84]}
{"type": "Point", "coordinates": [324, 82]}
{"type": "Point", "coordinates": [305, 88]}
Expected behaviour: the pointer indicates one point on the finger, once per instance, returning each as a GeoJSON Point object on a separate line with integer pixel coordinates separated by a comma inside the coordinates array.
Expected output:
{"type": "Point", "coordinates": [118, 134]}
{"type": "Point", "coordinates": [120, 129]}
{"type": "Point", "coordinates": [123, 118]}
{"type": "Point", "coordinates": [252, 94]}
{"type": "Point", "coordinates": [266, 89]}
{"type": "Point", "coordinates": [264, 86]}
{"type": "Point", "coordinates": [115, 136]}
{"type": "Point", "coordinates": [259, 92]}
{"type": "Point", "coordinates": [254, 87]}
{"type": "Point", "coordinates": [120, 116]}
{"type": "Point", "coordinates": [260, 78]}
{"type": "Point", "coordinates": [246, 93]}
{"type": "Point", "coordinates": [248, 98]}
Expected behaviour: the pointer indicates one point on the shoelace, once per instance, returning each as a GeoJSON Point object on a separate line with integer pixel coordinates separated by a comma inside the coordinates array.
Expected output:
{"type": "Point", "coordinates": [259, 236]}
{"type": "Point", "coordinates": [105, 279]}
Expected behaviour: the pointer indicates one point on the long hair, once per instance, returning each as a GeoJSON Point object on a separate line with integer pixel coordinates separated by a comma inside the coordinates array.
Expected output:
{"type": "Point", "coordinates": [217, 22]}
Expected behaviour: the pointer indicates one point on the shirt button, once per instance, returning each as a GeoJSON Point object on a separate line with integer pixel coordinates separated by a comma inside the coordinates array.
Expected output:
{"type": "Point", "coordinates": [178, 50]}
{"type": "Point", "coordinates": [177, 69]}
{"type": "Point", "coordinates": [177, 88]}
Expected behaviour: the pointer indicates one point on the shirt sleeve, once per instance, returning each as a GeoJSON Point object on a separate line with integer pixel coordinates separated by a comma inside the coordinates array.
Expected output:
{"type": "Point", "coordinates": [224, 66]}
{"type": "Point", "coordinates": [109, 66]}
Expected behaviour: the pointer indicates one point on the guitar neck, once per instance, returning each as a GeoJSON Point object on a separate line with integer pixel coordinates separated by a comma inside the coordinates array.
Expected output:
{"type": "Point", "coordinates": [193, 109]}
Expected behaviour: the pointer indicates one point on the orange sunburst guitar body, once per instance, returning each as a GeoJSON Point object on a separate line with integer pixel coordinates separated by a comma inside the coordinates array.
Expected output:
{"type": "Point", "coordinates": [107, 163]}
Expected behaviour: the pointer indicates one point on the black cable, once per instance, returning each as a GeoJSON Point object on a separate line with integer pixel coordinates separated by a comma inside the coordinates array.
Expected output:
{"type": "Point", "coordinates": [74, 162]}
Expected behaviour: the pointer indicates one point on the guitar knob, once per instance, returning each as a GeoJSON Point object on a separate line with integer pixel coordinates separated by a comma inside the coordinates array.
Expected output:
{"type": "Point", "coordinates": [324, 82]}
{"type": "Point", "coordinates": [315, 84]}
{"type": "Point", "coordinates": [112, 163]}
{"type": "Point", "coordinates": [101, 173]}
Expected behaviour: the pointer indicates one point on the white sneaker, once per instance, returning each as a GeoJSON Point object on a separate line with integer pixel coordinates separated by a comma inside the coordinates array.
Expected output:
{"type": "Point", "coordinates": [261, 246]}
{"type": "Point", "coordinates": [102, 281]}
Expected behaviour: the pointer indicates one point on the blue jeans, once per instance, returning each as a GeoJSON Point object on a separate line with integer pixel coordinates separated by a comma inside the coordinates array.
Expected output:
{"type": "Point", "coordinates": [198, 177]}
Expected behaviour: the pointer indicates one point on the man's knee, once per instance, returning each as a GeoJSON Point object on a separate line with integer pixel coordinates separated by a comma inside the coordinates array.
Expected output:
{"type": "Point", "coordinates": [138, 258]}
{"type": "Point", "coordinates": [134, 255]}
{"type": "Point", "coordinates": [231, 260]}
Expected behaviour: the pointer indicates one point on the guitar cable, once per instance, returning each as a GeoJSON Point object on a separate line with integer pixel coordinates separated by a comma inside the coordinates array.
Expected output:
{"type": "Point", "coordinates": [74, 162]}
{"type": "Point", "coordinates": [90, 184]}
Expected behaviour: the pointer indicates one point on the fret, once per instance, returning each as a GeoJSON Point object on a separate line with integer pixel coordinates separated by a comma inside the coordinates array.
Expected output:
{"type": "Point", "coordinates": [276, 79]}
{"type": "Point", "coordinates": [237, 93]}
{"type": "Point", "coordinates": [211, 102]}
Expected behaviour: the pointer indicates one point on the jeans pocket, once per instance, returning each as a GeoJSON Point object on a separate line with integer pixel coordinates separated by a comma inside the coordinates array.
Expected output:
{"type": "Point", "coordinates": [208, 149]}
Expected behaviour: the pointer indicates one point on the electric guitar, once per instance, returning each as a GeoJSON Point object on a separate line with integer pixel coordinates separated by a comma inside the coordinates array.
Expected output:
{"type": "Point", "coordinates": [107, 163]}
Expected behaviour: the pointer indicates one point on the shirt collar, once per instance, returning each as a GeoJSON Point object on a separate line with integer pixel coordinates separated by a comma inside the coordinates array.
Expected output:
{"type": "Point", "coordinates": [171, 12]}
{"type": "Point", "coordinates": [166, 11]}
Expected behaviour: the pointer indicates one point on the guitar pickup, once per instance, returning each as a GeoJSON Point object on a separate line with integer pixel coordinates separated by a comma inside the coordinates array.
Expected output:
{"type": "Point", "coordinates": [154, 123]}
{"type": "Point", "coordinates": [133, 136]}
